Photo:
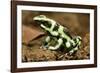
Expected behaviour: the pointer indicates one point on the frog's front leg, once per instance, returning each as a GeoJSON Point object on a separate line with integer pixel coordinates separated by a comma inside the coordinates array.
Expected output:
{"type": "Point", "coordinates": [46, 42]}
{"type": "Point", "coordinates": [59, 43]}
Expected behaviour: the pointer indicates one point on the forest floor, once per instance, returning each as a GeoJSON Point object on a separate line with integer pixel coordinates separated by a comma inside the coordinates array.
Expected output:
{"type": "Point", "coordinates": [33, 36]}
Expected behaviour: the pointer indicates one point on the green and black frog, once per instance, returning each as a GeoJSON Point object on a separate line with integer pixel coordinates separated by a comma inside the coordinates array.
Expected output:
{"type": "Point", "coordinates": [57, 36]}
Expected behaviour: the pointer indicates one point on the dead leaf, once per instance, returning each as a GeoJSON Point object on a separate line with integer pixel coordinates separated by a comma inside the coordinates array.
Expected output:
{"type": "Point", "coordinates": [29, 33]}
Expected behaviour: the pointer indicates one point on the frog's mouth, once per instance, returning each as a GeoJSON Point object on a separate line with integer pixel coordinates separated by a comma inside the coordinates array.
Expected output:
{"type": "Point", "coordinates": [42, 22]}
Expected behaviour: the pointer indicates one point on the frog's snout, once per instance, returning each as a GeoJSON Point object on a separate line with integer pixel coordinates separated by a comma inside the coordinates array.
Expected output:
{"type": "Point", "coordinates": [39, 18]}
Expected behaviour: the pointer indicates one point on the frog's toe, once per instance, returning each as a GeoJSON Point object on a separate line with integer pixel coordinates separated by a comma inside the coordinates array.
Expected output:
{"type": "Point", "coordinates": [43, 47]}
{"type": "Point", "coordinates": [73, 50]}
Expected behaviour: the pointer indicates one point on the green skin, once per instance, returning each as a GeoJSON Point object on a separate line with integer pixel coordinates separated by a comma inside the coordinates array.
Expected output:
{"type": "Point", "coordinates": [57, 34]}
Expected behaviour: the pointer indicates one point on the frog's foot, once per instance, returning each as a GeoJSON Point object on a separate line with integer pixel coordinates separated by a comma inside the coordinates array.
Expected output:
{"type": "Point", "coordinates": [78, 40]}
{"type": "Point", "coordinates": [44, 47]}
{"type": "Point", "coordinates": [73, 50]}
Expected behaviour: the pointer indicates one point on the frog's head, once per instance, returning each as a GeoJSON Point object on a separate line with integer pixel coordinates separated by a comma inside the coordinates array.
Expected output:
{"type": "Point", "coordinates": [42, 19]}
{"type": "Point", "coordinates": [39, 18]}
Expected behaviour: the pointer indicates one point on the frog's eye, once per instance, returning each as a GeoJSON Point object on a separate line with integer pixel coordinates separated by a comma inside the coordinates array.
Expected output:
{"type": "Point", "coordinates": [46, 24]}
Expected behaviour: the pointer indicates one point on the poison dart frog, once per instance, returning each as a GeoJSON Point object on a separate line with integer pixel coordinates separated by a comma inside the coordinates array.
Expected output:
{"type": "Point", "coordinates": [57, 36]}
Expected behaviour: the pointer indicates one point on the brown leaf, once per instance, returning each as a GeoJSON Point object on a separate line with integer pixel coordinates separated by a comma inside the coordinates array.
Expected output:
{"type": "Point", "coordinates": [29, 33]}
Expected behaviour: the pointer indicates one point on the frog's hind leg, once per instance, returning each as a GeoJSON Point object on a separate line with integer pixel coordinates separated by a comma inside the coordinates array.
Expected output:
{"type": "Point", "coordinates": [77, 41]}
